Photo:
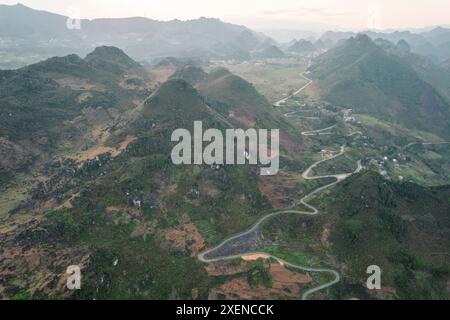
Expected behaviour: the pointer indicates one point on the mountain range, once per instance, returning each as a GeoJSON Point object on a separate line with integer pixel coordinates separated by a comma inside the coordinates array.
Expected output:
{"type": "Point", "coordinates": [43, 34]}
{"type": "Point", "coordinates": [363, 76]}
{"type": "Point", "coordinates": [433, 44]}
{"type": "Point", "coordinates": [86, 176]}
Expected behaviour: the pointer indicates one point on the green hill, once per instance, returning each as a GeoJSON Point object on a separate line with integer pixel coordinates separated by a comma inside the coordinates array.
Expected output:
{"type": "Point", "coordinates": [361, 75]}
{"type": "Point", "coordinates": [130, 212]}
{"type": "Point", "coordinates": [232, 95]}
{"type": "Point", "coordinates": [271, 52]}
{"type": "Point", "coordinates": [176, 104]}
{"type": "Point", "coordinates": [111, 58]}
{"type": "Point", "coordinates": [402, 227]}
{"type": "Point", "coordinates": [190, 73]}
{"type": "Point", "coordinates": [302, 47]}
{"type": "Point", "coordinates": [52, 103]}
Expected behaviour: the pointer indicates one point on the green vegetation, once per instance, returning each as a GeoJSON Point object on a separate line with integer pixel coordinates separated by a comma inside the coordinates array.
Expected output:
{"type": "Point", "coordinates": [363, 76]}
{"type": "Point", "coordinates": [393, 231]}
{"type": "Point", "coordinates": [141, 220]}
{"type": "Point", "coordinates": [272, 80]}
{"type": "Point", "coordinates": [259, 275]}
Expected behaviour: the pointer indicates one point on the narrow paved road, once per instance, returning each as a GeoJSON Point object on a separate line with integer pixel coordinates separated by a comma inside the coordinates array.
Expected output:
{"type": "Point", "coordinates": [313, 211]}
{"type": "Point", "coordinates": [320, 132]}
{"type": "Point", "coordinates": [282, 101]}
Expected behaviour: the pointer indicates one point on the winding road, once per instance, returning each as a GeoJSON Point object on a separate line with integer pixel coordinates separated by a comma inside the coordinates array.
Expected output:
{"type": "Point", "coordinates": [282, 101]}
{"type": "Point", "coordinates": [304, 201]}
{"type": "Point", "coordinates": [320, 132]}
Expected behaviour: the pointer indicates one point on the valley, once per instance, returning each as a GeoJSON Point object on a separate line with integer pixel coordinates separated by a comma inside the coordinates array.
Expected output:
{"type": "Point", "coordinates": [88, 178]}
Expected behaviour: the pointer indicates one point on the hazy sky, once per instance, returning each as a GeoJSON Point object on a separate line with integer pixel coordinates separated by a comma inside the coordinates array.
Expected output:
{"type": "Point", "coordinates": [268, 14]}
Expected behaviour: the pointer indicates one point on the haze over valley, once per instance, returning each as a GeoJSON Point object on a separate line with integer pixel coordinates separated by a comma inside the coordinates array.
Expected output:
{"type": "Point", "coordinates": [88, 109]}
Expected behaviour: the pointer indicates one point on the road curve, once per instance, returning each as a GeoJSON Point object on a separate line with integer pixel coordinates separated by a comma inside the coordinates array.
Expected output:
{"type": "Point", "coordinates": [280, 102]}
{"type": "Point", "coordinates": [320, 132]}
{"type": "Point", "coordinates": [313, 211]}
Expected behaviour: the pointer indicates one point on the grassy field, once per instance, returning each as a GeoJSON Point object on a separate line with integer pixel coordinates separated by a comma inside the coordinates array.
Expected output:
{"type": "Point", "coordinates": [273, 81]}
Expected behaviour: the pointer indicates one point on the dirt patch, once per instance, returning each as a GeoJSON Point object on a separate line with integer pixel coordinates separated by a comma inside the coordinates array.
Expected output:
{"type": "Point", "coordinates": [161, 75]}
{"type": "Point", "coordinates": [225, 269]}
{"type": "Point", "coordinates": [285, 280]}
{"type": "Point", "coordinates": [68, 204]}
{"type": "Point", "coordinates": [186, 238]}
{"type": "Point", "coordinates": [208, 188]}
{"type": "Point", "coordinates": [79, 84]}
{"type": "Point", "coordinates": [124, 214]}
{"type": "Point", "coordinates": [94, 152]}
{"type": "Point", "coordinates": [38, 270]}
{"type": "Point", "coordinates": [239, 289]}
{"type": "Point", "coordinates": [124, 144]}
{"type": "Point", "coordinates": [279, 190]}
{"type": "Point", "coordinates": [325, 238]}
{"type": "Point", "coordinates": [286, 285]}
{"type": "Point", "coordinates": [255, 257]}
{"type": "Point", "coordinates": [245, 119]}
{"type": "Point", "coordinates": [12, 156]}
{"type": "Point", "coordinates": [84, 97]}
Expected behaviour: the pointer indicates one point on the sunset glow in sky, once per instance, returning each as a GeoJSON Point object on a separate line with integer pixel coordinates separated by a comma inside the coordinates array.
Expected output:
{"type": "Point", "coordinates": [268, 14]}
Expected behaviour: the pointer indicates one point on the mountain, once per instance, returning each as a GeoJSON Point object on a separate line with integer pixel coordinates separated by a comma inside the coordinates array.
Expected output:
{"type": "Point", "coordinates": [235, 97]}
{"type": "Point", "coordinates": [190, 73]}
{"type": "Point", "coordinates": [401, 227]}
{"type": "Point", "coordinates": [287, 35]}
{"type": "Point", "coordinates": [271, 52]}
{"type": "Point", "coordinates": [336, 36]}
{"type": "Point", "coordinates": [54, 102]}
{"type": "Point", "coordinates": [41, 34]}
{"type": "Point", "coordinates": [361, 75]}
{"type": "Point", "coordinates": [403, 45]}
{"type": "Point", "coordinates": [302, 47]}
{"type": "Point", "coordinates": [438, 35]}
{"type": "Point", "coordinates": [21, 22]}
{"type": "Point", "coordinates": [123, 207]}
{"type": "Point", "coordinates": [434, 74]}
{"type": "Point", "coordinates": [107, 57]}
{"type": "Point", "coordinates": [404, 226]}
{"type": "Point", "coordinates": [432, 44]}
{"type": "Point", "coordinates": [176, 104]}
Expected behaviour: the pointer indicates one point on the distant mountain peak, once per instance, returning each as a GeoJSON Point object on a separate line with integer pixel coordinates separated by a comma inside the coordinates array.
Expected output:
{"type": "Point", "coordinates": [190, 73]}
{"type": "Point", "coordinates": [371, 79]}
{"type": "Point", "coordinates": [177, 85]}
{"type": "Point", "coordinates": [111, 55]}
{"type": "Point", "coordinates": [363, 38]}
{"type": "Point", "coordinates": [271, 52]}
{"type": "Point", "coordinates": [302, 46]}
{"type": "Point", "coordinates": [361, 42]}
{"type": "Point", "coordinates": [440, 29]}
{"type": "Point", "coordinates": [106, 51]}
